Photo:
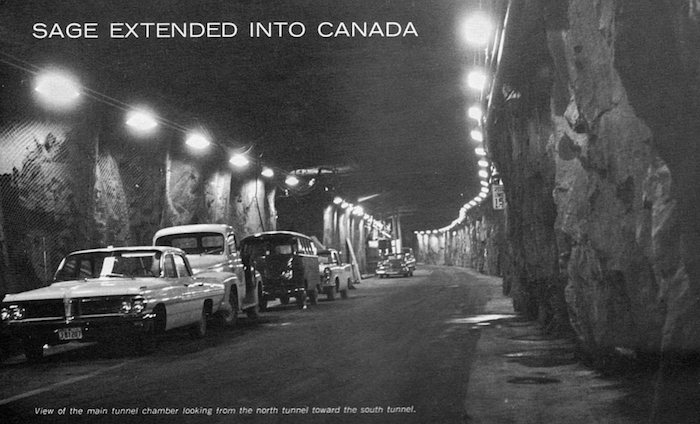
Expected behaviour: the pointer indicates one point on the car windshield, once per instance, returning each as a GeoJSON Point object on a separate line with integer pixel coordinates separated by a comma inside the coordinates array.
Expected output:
{"type": "Point", "coordinates": [109, 264]}
{"type": "Point", "coordinates": [324, 258]}
{"type": "Point", "coordinates": [195, 243]}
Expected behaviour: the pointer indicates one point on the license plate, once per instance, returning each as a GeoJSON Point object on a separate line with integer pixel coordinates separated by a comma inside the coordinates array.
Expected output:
{"type": "Point", "coordinates": [70, 334]}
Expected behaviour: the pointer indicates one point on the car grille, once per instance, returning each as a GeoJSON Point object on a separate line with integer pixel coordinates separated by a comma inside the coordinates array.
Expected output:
{"type": "Point", "coordinates": [395, 265]}
{"type": "Point", "coordinates": [56, 308]}
{"type": "Point", "coordinates": [45, 309]}
{"type": "Point", "coordinates": [99, 305]}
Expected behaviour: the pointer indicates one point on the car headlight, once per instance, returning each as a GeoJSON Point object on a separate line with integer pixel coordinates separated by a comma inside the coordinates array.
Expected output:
{"type": "Point", "coordinates": [286, 275]}
{"type": "Point", "coordinates": [12, 313]}
{"type": "Point", "coordinates": [133, 306]}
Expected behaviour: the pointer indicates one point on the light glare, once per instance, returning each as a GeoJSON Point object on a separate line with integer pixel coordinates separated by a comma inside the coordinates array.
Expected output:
{"type": "Point", "coordinates": [292, 181]}
{"type": "Point", "coordinates": [477, 80]}
{"type": "Point", "coordinates": [57, 90]}
{"type": "Point", "coordinates": [239, 160]}
{"type": "Point", "coordinates": [477, 29]}
{"type": "Point", "coordinates": [197, 141]}
{"type": "Point", "coordinates": [476, 113]}
{"type": "Point", "coordinates": [142, 121]}
{"type": "Point", "coordinates": [477, 135]}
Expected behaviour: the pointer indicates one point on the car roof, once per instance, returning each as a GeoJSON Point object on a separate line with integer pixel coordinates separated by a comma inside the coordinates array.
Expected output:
{"type": "Point", "coordinates": [194, 228]}
{"type": "Point", "coordinates": [162, 249]}
{"type": "Point", "coordinates": [277, 233]}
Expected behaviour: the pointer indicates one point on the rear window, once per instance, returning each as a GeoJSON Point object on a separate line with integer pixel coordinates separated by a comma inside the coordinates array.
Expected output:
{"type": "Point", "coordinates": [195, 243]}
{"type": "Point", "coordinates": [276, 244]}
{"type": "Point", "coordinates": [109, 264]}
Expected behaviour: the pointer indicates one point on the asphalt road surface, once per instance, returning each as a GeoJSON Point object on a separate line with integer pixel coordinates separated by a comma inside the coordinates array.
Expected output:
{"type": "Point", "coordinates": [394, 352]}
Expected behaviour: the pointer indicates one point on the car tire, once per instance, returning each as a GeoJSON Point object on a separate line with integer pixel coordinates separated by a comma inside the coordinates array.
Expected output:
{"type": "Point", "coordinates": [313, 297]}
{"type": "Point", "coordinates": [254, 312]}
{"type": "Point", "coordinates": [33, 349]}
{"type": "Point", "coordinates": [344, 293]}
{"type": "Point", "coordinates": [301, 300]}
{"type": "Point", "coordinates": [229, 317]}
{"type": "Point", "coordinates": [262, 302]}
{"type": "Point", "coordinates": [284, 300]}
{"type": "Point", "coordinates": [146, 342]}
{"type": "Point", "coordinates": [199, 329]}
{"type": "Point", "coordinates": [330, 293]}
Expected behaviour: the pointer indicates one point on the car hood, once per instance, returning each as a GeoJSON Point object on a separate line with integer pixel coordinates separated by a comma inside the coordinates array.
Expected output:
{"type": "Point", "coordinates": [87, 288]}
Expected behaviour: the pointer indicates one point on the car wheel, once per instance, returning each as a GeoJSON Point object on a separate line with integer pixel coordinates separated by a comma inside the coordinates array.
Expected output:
{"type": "Point", "coordinates": [284, 300]}
{"type": "Point", "coordinates": [344, 293]}
{"type": "Point", "coordinates": [262, 302]}
{"type": "Point", "coordinates": [254, 312]}
{"type": "Point", "coordinates": [301, 300]}
{"type": "Point", "coordinates": [33, 349]}
{"type": "Point", "coordinates": [146, 341]}
{"type": "Point", "coordinates": [330, 292]}
{"type": "Point", "coordinates": [313, 297]}
{"type": "Point", "coordinates": [199, 329]}
{"type": "Point", "coordinates": [229, 317]}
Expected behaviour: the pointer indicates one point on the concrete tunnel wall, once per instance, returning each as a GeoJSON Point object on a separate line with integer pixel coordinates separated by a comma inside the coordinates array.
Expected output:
{"type": "Point", "coordinates": [599, 157]}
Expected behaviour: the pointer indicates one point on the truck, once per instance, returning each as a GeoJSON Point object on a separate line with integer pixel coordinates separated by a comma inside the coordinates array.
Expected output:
{"type": "Point", "coordinates": [336, 276]}
{"type": "Point", "coordinates": [212, 251]}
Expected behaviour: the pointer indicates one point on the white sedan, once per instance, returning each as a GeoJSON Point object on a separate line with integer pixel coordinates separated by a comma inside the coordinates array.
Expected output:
{"type": "Point", "coordinates": [98, 293]}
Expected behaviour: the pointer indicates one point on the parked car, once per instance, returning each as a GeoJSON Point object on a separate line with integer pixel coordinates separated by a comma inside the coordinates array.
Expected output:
{"type": "Point", "coordinates": [409, 256]}
{"type": "Point", "coordinates": [212, 252]}
{"type": "Point", "coordinates": [288, 263]}
{"type": "Point", "coordinates": [336, 276]}
{"type": "Point", "coordinates": [396, 264]}
{"type": "Point", "coordinates": [100, 293]}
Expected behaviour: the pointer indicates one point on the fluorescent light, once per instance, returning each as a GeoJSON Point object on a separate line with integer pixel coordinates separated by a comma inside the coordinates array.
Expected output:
{"type": "Point", "coordinates": [198, 141]}
{"type": "Point", "coordinates": [142, 121]}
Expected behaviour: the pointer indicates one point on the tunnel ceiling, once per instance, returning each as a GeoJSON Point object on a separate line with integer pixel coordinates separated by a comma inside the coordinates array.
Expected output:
{"type": "Point", "coordinates": [389, 112]}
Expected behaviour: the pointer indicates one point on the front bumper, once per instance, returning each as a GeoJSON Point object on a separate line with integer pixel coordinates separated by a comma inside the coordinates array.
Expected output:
{"type": "Point", "coordinates": [79, 329]}
{"type": "Point", "coordinates": [391, 271]}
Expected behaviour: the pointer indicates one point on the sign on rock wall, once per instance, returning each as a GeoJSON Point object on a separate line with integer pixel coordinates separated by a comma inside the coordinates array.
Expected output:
{"type": "Point", "coordinates": [498, 194]}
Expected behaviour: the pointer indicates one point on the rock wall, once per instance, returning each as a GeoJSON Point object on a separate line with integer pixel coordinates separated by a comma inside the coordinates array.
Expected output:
{"type": "Point", "coordinates": [625, 191]}
{"type": "Point", "coordinates": [71, 183]}
{"type": "Point", "coordinates": [594, 132]}
{"type": "Point", "coordinates": [597, 153]}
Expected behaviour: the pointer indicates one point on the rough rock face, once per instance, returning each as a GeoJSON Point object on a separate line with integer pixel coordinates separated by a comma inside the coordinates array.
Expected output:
{"type": "Point", "coordinates": [614, 153]}
{"type": "Point", "coordinates": [627, 282]}
{"type": "Point", "coordinates": [595, 138]}
{"type": "Point", "coordinates": [70, 184]}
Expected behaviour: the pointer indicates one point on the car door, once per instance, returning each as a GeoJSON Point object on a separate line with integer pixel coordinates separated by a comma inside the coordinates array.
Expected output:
{"type": "Point", "coordinates": [175, 294]}
{"type": "Point", "coordinates": [194, 291]}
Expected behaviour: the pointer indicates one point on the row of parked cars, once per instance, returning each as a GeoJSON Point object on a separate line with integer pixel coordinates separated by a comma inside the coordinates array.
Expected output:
{"type": "Point", "coordinates": [191, 275]}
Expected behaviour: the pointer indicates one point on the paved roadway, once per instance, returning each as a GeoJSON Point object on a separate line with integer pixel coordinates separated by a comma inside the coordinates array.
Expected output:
{"type": "Point", "coordinates": [395, 352]}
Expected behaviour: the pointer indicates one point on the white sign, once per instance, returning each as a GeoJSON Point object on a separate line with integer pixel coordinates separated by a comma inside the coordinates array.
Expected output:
{"type": "Point", "coordinates": [498, 194]}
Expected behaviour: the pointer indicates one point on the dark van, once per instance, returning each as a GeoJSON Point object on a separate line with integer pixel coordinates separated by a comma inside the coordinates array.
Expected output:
{"type": "Point", "coordinates": [288, 263]}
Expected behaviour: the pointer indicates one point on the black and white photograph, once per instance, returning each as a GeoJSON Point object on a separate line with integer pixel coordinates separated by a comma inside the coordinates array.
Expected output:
{"type": "Point", "coordinates": [351, 211]}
